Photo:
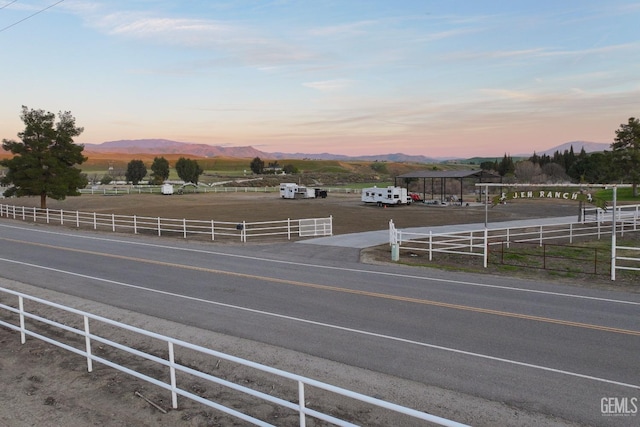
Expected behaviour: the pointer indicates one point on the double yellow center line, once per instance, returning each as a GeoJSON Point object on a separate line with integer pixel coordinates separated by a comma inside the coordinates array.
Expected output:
{"type": "Point", "coordinates": [344, 290]}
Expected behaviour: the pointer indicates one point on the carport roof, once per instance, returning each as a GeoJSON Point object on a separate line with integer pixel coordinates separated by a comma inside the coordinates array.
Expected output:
{"type": "Point", "coordinates": [480, 174]}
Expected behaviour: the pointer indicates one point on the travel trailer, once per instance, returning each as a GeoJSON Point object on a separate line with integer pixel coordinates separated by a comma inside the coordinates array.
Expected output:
{"type": "Point", "coordinates": [386, 196]}
{"type": "Point", "coordinates": [295, 191]}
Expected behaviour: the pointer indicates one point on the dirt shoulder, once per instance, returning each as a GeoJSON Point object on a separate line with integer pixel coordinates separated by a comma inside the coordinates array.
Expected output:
{"type": "Point", "coordinates": [47, 386]}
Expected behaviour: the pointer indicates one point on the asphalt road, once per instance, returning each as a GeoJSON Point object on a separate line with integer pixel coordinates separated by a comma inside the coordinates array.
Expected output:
{"type": "Point", "coordinates": [541, 347]}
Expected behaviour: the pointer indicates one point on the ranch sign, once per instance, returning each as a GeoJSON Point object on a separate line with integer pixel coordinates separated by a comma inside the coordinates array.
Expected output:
{"type": "Point", "coordinates": [546, 194]}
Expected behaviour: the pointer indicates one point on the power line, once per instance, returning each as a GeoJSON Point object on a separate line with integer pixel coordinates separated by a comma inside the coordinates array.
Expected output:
{"type": "Point", "coordinates": [30, 16]}
{"type": "Point", "coordinates": [8, 4]}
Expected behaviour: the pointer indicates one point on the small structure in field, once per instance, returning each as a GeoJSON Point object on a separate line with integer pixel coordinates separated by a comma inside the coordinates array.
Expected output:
{"type": "Point", "coordinates": [167, 189]}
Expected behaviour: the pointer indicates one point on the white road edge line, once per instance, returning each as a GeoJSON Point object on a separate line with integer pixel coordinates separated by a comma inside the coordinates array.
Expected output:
{"type": "Point", "coordinates": [327, 325]}
{"type": "Point", "coordinates": [327, 267]}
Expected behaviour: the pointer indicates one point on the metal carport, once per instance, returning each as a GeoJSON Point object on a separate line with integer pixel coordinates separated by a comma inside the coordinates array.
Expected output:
{"type": "Point", "coordinates": [477, 175]}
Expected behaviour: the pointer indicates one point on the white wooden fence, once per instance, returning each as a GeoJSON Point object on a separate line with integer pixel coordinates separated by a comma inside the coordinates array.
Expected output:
{"type": "Point", "coordinates": [109, 190]}
{"type": "Point", "coordinates": [185, 228]}
{"type": "Point", "coordinates": [85, 340]}
{"type": "Point", "coordinates": [478, 242]}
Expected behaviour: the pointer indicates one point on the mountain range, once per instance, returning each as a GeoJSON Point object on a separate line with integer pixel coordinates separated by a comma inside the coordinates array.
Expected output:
{"type": "Point", "coordinates": [165, 146]}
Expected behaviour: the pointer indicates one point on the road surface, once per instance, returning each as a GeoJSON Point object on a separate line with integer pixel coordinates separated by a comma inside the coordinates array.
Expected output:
{"type": "Point", "coordinates": [541, 347]}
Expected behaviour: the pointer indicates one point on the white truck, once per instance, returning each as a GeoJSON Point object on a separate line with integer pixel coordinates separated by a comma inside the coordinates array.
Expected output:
{"type": "Point", "coordinates": [295, 191]}
{"type": "Point", "coordinates": [386, 196]}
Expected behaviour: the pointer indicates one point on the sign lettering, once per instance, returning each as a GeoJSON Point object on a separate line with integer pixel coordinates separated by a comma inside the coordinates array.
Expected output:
{"type": "Point", "coordinates": [545, 194]}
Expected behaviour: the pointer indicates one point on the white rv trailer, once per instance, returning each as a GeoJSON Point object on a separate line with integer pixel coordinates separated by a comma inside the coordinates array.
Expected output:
{"type": "Point", "coordinates": [386, 196]}
{"type": "Point", "coordinates": [295, 191]}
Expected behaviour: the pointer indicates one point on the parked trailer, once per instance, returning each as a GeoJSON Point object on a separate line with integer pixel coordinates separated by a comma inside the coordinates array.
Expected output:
{"type": "Point", "coordinates": [167, 189]}
{"type": "Point", "coordinates": [295, 191]}
{"type": "Point", "coordinates": [386, 196]}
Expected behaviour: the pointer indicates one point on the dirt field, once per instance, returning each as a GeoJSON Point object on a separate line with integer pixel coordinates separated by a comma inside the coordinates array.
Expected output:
{"type": "Point", "coordinates": [45, 386]}
{"type": "Point", "coordinates": [350, 215]}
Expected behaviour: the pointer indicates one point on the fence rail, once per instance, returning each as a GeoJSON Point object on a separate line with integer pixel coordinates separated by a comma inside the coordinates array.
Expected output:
{"type": "Point", "coordinates": [478, 242]}
{"type": "Point", "coordinates": [84, 346]}
{"type": "Point", "coordinates": [243, 230]}
{"type": "Point", "coordinates": [114, 190]}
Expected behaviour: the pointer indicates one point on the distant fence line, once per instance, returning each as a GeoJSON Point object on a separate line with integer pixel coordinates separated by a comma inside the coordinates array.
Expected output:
{"type": "Point", "coordinates": [242, 230]}
{"type": "Point", "coordinates": [87, 342]}
{"type": "Point", "coordinates": [596, 223]}
{"type": "Point", "coordinates": [156, 189]}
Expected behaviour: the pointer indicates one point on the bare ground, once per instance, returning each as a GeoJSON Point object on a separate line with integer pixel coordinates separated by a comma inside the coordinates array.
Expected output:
{"type": "Point", "coordinates": [47, 386]}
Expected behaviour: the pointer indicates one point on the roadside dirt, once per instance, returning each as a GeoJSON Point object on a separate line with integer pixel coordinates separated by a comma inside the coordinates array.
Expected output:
{"type": "Point", "coordinates": [47, 386]}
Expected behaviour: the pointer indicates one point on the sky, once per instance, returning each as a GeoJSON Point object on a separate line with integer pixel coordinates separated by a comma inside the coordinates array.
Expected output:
{"type": "Point", "coordinates": [354, 77]}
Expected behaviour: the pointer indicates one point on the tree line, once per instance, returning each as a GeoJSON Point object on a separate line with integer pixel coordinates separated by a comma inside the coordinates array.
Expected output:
{"type": "Point", "coordinates": [45, 161]}
{"type": "Point", "coordinates": [620, 164]}
{"type": "Point", "coordinates": [188, 170]}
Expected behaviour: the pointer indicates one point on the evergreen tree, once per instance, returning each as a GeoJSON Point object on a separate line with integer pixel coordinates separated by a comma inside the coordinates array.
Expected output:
{"type": "Point", "coordinates": [506, 166]}
{"type": "Point", "coordinates": [257, 166]}
{"type": "Point", "coordinates": [626, 152]}
{"type": "Point", "coordinates": [44, 161]}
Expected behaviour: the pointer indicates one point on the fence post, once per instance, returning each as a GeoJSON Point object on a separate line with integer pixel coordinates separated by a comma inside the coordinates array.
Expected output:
{"type": "Point", "coordinates": [486, 247]}
{"type": "Point", "coordinates": [23, 213]}
{"type": "Point", "coordinates": [23, 335]}
{"type": "Point", "coordinates": [95, 222]}
{"type": "Point", "coordinates": [392, 234]}
{"type": "Point", "coordinates": [87, 342]}
{"type": "Point", "coordinates": [571, 233]}
{"type": "Point", "coordinates": [301, 404]}
{"type": "Point", "coordinates": [243, 233]}
{"type": "Point", "coordinates": [77, 219]}
{"type": "Point", "coordinates": [471, 241]}
{"type": "Point", "coordinates": [541, 232]}
{"type": "Point", "coordinates": [430, 245]}
{"type": "Point", "coordinates": [61, 217]}
{"type": "Point", "coordinates": [613, 235]}
{"type": "Point", "coordinates": [212, 230]}
{"type": "Point", "coordinates": [113, 222]}
{"type": "Point", "coordinates": [135, 225]}
{"type": "Point", "coordinates": [46, 214]}
{"type": "Point", "coordinates": [172, 371]}
{"type": "Point", "coordinates": [289, 228]}
{"type": "Point", "coordinates": [158, 226]}
{"type": "Point", "coordinates": [184, 228]}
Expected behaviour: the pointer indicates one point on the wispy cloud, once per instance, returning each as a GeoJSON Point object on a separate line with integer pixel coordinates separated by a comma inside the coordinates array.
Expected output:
{"type": "Point", "coordinates": [240, 44]}
{"type": "Point", "coordinates": [328, 85]}
{"type": "Point", "coordinates": [352, 28]}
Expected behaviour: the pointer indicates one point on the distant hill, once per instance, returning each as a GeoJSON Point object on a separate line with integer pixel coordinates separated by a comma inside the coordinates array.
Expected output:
{"type": "Point", "coordinates": [165, 146]}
